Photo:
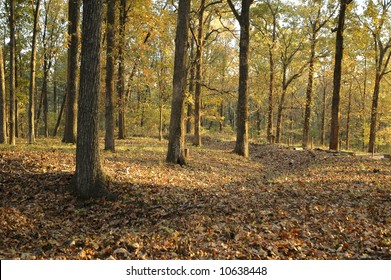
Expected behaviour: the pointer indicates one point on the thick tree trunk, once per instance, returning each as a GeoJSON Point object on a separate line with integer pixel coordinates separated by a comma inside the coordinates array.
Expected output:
{"type": "Point", "coordinates": [12, 79]}
{"type": "Point", "coordinates": [72, 73]}
{"type": "Point", "coordinates": [334, 130]}
{"type": "Point", "coordinates": [89, 180]}
{"type": "Point", "coordinates": [121, 73]}
{"type": "Point", "coordinates": [241, 146]}
{"type": "Point", "coordinates": [3, 126]}
{"type": "Point", "coordinates": [109, 104]}
{"type": "Point", "coordinates": [175, 153]}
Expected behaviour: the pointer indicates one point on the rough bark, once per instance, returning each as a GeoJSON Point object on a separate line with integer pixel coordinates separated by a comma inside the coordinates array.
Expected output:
{"type": "Point", "coordinates": [72, 73]}
{"type": "Point", "coordinates": [175, 153]}
{"type": "Point", "coordinates": [241, 146]}
{"type": "Point", "coordinates": [109, 104]}
{"type": "Point", "coordinates": [89, 179]}
{"type": "Point", "coordinates": [334, 130]}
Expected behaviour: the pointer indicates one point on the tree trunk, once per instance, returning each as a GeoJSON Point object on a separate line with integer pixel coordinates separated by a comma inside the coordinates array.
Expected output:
{"type": "Point", "coordinates": [347, 140]}
{"type": "Point", "coordinates": [60, 115]}
{"type": "Point", "coordinates": [241, 146]}
{"type": "Point", "coordinates": [334, 130]}
{"type": "Point", "coordinates": [3, 126]}
{"type": "Point", "coordinates": [55, 96]}
{"type": "Point", "coordinates": [221, 122]}
{"type": "Point", "coordinates": [161, 122]}
{"type": "Point", "coordinates": [12, 79]}
{"type": "Point", "coordinates": [308, 103]}
{"type": "Point", "coordinates": [121, 72]}
{"type": "Point", "coordinates": [175, 153]}
{"type": "Point", "coordinates": [109, 105]}
{"type": "Point", "coordinates": [89, 180]}
{"type": "Point", "coordinates": [279, 116]}
{"type": "Point", "coordinates": [363, 103]}
{"type": "Point", "coordinates": [16, 119]}
{"type": "Point", "coordinates": [190, 111]}
{"type": "Point", "coordinates": [47, 66]}
{"type": "Point", "coordinates": [31, 111]}
{"type": "Point", "coordinates": [382, 61]}
{"type": "Point", "coordinates": [71, 105]}
{"type": "Point", "coordinates": [323, 129]}
{"type": "Point", "coordinates": [373, 126]}
{"type": "Point", "coordinates": [198, 78]}
{"type": "Point", "coordinates": [271, 97]}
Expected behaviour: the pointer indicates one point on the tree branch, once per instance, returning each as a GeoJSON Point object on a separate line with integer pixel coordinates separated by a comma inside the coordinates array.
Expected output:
{"type": "Point", "coordinates": [234, 11]}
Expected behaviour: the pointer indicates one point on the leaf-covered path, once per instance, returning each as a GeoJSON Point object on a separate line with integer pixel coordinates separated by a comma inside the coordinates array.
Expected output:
{"type": "Point", "coordinates": [280, 204]}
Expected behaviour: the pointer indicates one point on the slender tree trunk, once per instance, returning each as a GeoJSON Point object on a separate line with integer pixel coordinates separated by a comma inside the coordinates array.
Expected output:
{"type": "Point", "coordinates": [31, 111]}
{"type": "Point", "coordinates": [363, 103]}
{"type": "Point", "coordinates": [161, 122]}
{"type": "Point", "coordinates": [373, 126]}
{"type": "Point", "coordinates": [89, 180]}
{"type": "Point", "coordinates": [175, 153]}
{"type": "Point", "coordinates": [334, 130]}
{"type": "Point", "coordinates": [72, 73]}
{"type": "Point", "coordinates": [323, 129]}
{"type": "Point", "coordinates": [382, 61]}
{"type": "Point", "coordinates": [221, 116]}
{"type": "Point", "coordinates": [347, 140]}
{"type": "Point", "coordinates": [121, 73]}
{"type": "Point", "coordinates": [60, 115]}
{"type": "Point", "coordinates": [16, 119]}
{"type": "Point", "coordinates": [279, 116]}
{"type": "Point", "coordinates": [190, 111]}
{"type": "Point", "coordinates": [55, 96]}
{"type": "Point", "coordinates": [47, 66]}
{"type": "Point", "coordinates": [12, 79]}
{"type": "Point", "coordinates": [109, 105]}
{"type": "Point", "coordinates": [271, 98]}
{"type": "Point", "coordinates": [198, 79]}
{"type": "Point", "coordinates": [308, 103]}
{"type": "Point", "coordinates": [3, 126]}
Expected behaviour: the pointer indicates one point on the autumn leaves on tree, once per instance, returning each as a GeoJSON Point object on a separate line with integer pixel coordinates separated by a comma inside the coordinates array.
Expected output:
{"type": "Point", "coordinates": [259, 71]}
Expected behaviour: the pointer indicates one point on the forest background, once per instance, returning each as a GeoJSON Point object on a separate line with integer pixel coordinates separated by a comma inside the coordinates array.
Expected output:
{"type": "Point", "coordinates": [270, 201]}
{"type": "Point", "coordinates": [280, 91]}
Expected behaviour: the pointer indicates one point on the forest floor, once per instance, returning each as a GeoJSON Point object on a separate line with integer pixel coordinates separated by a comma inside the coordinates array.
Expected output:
{"type": "Point", "coordinates": [279, 204]}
